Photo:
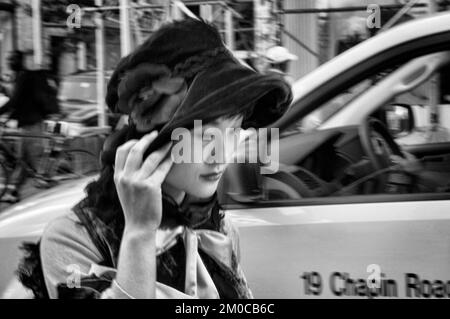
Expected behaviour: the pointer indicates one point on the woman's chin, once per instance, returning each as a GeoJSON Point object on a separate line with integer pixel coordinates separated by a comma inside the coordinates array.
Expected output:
{"type": "Point", "coordinates": [202, 192]}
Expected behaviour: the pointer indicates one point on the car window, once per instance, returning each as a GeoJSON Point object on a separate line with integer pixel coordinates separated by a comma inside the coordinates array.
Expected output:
{"type": "Point", "coordinates": [430, 112]}
{"type": "Point", "coordinates": [316, 118]}
{"type": "Point", "coordinates": [339, 162]}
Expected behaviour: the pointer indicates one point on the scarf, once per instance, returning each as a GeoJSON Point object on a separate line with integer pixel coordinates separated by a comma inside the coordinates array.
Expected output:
{"type": "Point", "coordinates": [195, 253]}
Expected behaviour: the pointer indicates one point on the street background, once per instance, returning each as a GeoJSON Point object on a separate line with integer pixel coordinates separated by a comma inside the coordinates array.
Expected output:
{"type": "Point", "coordinates": [79, 43]}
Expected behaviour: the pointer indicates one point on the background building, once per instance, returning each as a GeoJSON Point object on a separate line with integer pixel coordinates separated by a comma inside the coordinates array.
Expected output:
{"type": "Point", "coordinates": [313, 30]}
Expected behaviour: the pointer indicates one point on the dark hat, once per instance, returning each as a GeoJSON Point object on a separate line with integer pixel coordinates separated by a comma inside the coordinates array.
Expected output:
{"type": "Point", "coordinates": [178, 46]}
{"type": "Point", "coordinates": [182, 73]}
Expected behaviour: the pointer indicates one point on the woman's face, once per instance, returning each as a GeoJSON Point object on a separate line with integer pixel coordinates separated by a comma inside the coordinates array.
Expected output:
{"type": "Point", "coordinates": [201, 179]}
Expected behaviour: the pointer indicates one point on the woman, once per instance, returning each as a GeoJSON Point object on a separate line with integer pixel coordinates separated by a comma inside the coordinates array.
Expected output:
{"type": "Point", "coordinates": [148, 227]}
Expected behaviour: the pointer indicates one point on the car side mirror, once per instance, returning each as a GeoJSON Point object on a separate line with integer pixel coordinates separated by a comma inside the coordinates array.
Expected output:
{"type": "Point", "coordinates": [400, 119]}
{"type": "Point", "coordinates": [445, 85]}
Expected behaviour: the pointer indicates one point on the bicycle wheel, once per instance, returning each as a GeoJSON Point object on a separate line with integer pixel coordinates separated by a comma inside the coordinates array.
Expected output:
{"type": "Point", "coordinates": [74, 163]}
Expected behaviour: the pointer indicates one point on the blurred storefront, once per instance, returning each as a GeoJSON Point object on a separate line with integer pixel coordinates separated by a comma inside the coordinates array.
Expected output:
{"type": "Point", "coordinates": [316, 31]}
{"type": "Point", "coordinates": [301, 37]}
{"type": "Point", "coordinates": [313, 30]}
{"type": "Point", "coordinates": [8, 30]}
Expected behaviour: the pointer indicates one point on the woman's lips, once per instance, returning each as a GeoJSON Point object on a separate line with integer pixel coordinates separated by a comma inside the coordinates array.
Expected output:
{"type": "Point", "coordinates": [211, 177]}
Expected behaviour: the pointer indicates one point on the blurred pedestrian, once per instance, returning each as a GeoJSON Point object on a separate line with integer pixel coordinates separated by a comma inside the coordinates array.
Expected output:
{"type": "Point", "coordinates": [32, 99]}
{"type": "Point", "coordinates": [279, 59]}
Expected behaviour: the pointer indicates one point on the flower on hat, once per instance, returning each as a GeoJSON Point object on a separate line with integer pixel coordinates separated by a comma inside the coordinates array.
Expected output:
{"type": "Point", "coordinates": [150, 95]}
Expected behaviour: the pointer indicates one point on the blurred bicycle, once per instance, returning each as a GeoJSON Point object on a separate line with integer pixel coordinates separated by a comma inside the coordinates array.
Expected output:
{"type": "Point", "coordinates": [58, 162]}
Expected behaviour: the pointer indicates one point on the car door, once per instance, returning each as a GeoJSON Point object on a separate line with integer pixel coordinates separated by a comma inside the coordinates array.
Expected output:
{"type": "Point", "coordinates": [371, 245]}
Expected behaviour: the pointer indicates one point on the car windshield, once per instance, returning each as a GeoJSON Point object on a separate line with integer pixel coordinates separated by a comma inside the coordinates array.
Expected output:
{"type": "Point", "coordinates": [327, 110]}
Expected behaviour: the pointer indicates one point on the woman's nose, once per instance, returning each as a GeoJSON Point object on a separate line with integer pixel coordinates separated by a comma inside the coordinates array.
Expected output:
{"type": "Point", "coordinates": [218, 152]}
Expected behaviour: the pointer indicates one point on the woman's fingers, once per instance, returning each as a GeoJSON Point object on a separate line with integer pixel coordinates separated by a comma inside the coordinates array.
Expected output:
{"type": "Point", "coordinates": [160, 173]}
{"type": "Point", "coordinates": [154, 159]}
{"type": "Point", "coordinates": [122, 154]}
{"type": "Point", "coordinates": [135, 154]}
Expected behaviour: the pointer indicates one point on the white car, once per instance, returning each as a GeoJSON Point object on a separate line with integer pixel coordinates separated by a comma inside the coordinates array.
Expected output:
{"type": "Point", "coordinates": [350, 212]}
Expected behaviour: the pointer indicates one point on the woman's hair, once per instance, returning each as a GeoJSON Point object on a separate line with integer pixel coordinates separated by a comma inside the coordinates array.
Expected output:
{"type": "Point", "coordinates": [102, 197]}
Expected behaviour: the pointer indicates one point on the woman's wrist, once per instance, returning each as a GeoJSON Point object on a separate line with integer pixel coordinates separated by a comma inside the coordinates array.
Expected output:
{"type": "Point", "coordinates": [136, 269]}
{"type": "Point", "coordinates": [139, 233]}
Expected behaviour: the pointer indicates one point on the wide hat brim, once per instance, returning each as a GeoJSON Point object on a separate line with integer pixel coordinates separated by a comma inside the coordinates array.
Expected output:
{"type": "Point", "coordinates": [229, 88]}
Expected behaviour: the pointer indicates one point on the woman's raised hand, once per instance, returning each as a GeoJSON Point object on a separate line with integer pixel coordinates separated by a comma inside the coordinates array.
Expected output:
{"type": "Point", "coordinates": [138, 182]}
